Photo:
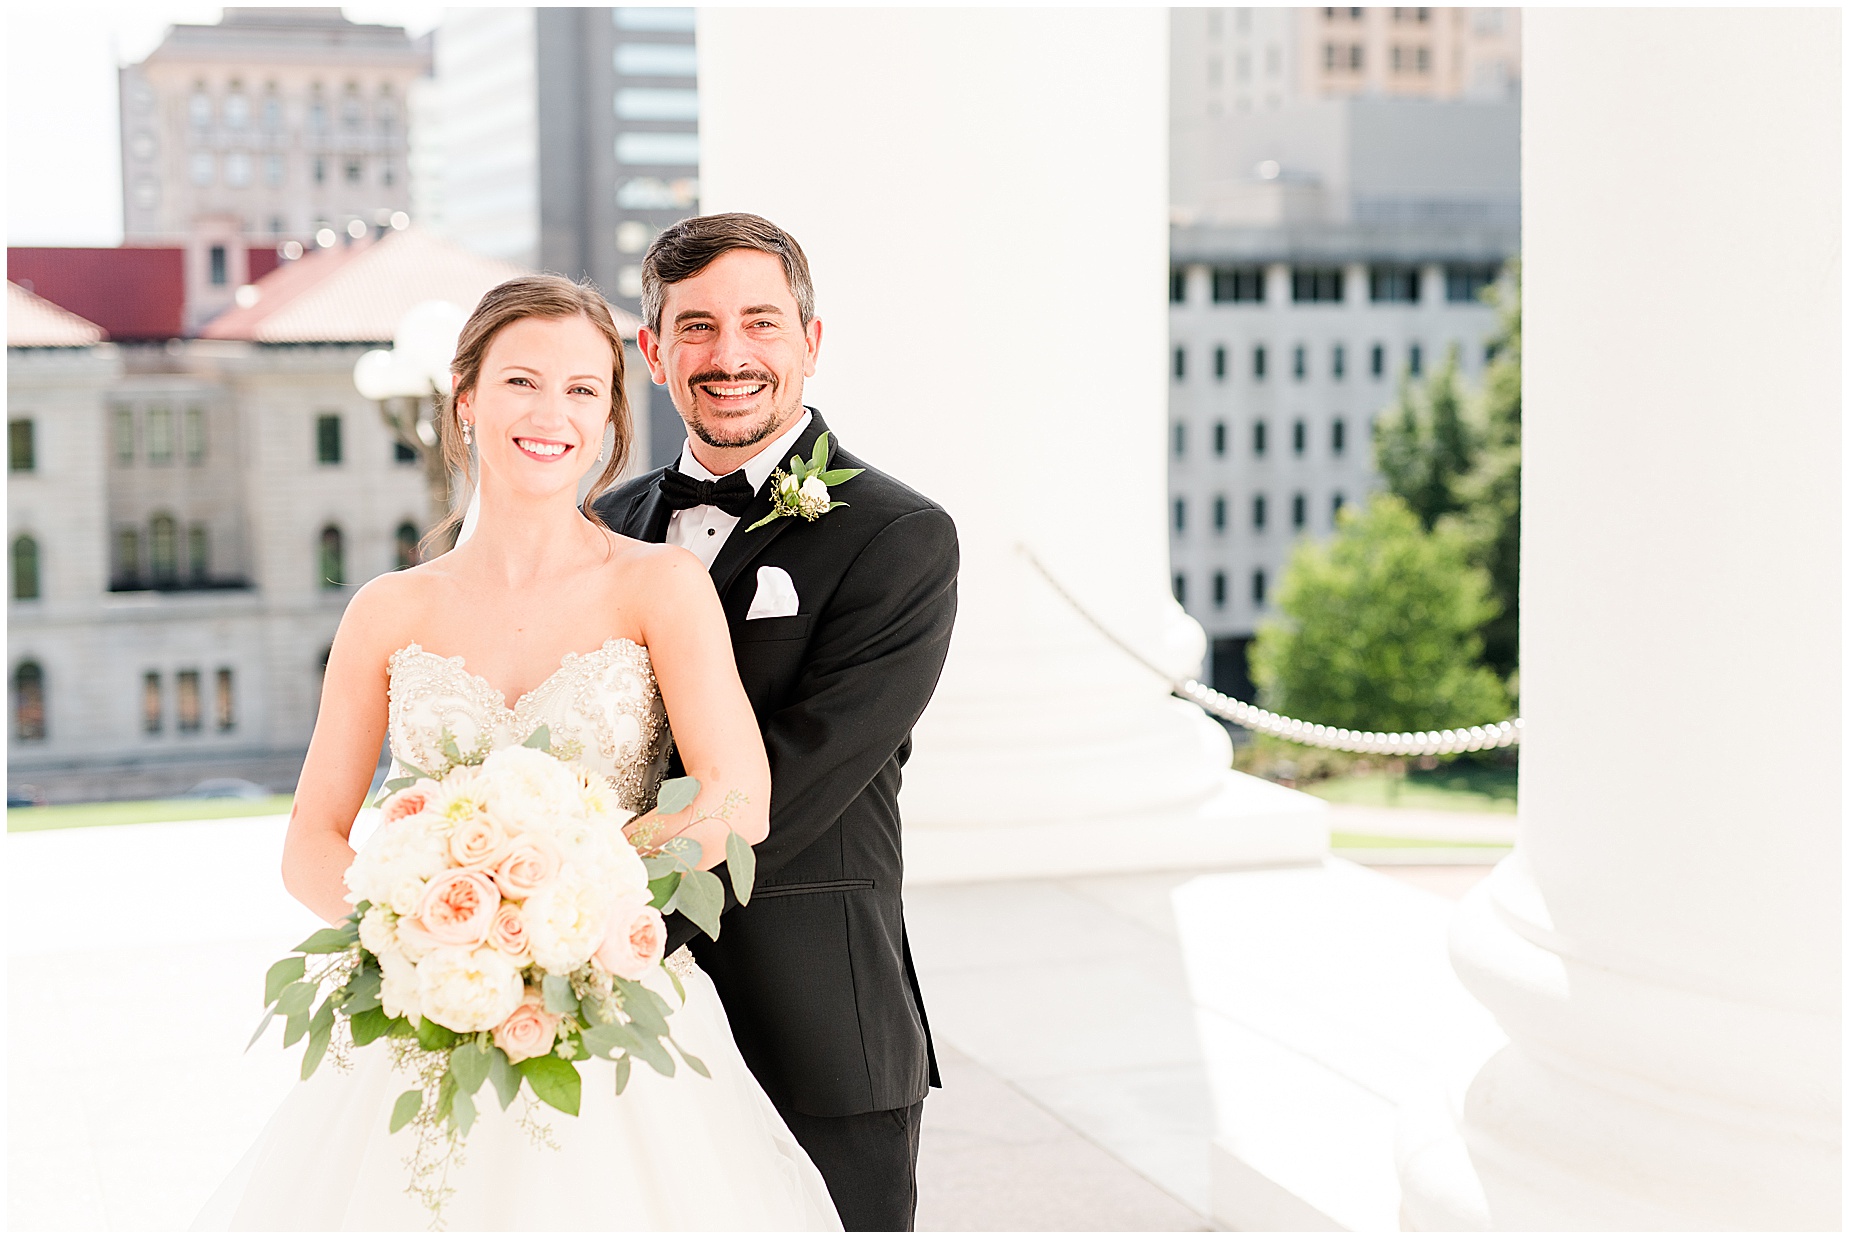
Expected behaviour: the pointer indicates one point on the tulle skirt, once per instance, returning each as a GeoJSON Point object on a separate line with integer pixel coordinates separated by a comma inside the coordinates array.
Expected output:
{"type": "Point", "coordinates": [680, 1153]}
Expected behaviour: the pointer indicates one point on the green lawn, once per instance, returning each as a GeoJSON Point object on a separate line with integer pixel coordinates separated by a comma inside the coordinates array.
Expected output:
{"type": "Point", "coordinates": [1472, 789]}
{"type": "Point", "coordinates": [132, 812]}
{"type": "Point", "coordinates": [1341, 839]}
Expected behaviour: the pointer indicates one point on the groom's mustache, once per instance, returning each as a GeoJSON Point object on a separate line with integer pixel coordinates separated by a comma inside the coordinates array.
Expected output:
{"type": "Point", "coordinates": [724, 377]}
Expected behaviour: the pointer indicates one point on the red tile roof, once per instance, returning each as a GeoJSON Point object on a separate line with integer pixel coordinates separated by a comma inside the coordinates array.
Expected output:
{"type": "Point", "coordinates": [131, 292]}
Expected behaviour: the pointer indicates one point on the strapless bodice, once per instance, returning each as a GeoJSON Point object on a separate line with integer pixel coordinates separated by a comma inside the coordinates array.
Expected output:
{"type": "Point", "coordinates": [603, 710]}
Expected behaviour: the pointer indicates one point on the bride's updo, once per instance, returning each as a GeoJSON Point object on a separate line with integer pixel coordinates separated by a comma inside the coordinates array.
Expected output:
{"type": "Point", "coordinates": [532, 296]}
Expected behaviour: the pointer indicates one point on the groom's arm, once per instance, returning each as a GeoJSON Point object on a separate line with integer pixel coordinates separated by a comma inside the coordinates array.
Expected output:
{"type": "Point", "coordinates": [872, 667]}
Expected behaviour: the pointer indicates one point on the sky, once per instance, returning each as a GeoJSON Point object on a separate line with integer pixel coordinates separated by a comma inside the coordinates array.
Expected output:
{"type": "Point", "coordinates": [63, 161]}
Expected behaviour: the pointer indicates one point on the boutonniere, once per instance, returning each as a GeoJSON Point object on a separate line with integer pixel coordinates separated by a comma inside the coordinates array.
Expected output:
{"type": "Point", "coordinates": [803, 490]}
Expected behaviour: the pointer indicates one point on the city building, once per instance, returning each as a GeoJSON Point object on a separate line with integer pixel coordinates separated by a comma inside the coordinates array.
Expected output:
{"type": "Point", "coordinates": [564, 139]}
{"type": "Point", "coordinates": [274, 127]}
{"type": "Point", "coordinates": [189, 516]}
{"type": "Point", "coordinates": [1324, 251]}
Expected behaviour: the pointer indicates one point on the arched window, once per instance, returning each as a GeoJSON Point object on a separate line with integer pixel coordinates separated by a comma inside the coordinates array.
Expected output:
{"type": "Point", "coordinates": [25, 567]}
{"type": "Point", "coordinates": [333, 558]}
{"type": "Point", "coordinates": [164, 550]}
{"type": "Point", "coordinates": [29, 701]}
{"type": "Point", "coordinates": [407, 545]}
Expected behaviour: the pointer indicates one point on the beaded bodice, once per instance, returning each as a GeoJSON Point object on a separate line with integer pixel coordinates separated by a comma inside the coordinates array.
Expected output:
{"type": "Point", "coordinates": [603, 710]}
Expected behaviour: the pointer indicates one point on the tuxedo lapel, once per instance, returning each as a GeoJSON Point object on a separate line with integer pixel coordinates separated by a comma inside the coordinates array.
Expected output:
{"type": "Point", "coordinates": [649, 514]}
{"type": "Point", "coordinates": [747, 544]}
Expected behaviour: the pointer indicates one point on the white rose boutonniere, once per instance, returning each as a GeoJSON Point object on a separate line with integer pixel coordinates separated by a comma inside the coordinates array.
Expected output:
{"type": "Point", "coordinates": [803, 490]}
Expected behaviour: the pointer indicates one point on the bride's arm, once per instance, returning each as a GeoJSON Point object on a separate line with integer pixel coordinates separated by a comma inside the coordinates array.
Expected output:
{"type": "Point", "coordinates": [342, 758]}
{"type": "Point", "coordinates": [714, 728]}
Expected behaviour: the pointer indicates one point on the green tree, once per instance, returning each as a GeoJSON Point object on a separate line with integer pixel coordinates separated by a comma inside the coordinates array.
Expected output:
{"type": "Point", "coordinates": [1426, 444]}
{"type": "Point", "coordinates": [1380, 628]}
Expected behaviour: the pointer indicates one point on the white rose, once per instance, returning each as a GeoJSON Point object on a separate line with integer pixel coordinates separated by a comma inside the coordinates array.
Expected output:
{"type": "Point", "coordinates": [398, 989]}
{"type": "Point", "coordinates": [376, 933]}
{"type": "Point", "coordinates": [565, 922]}
{"type": "Point", "coordinates": [813, 489]}
{"type": "Point", "coordinates": [399, 854]}
{"type": "Point", "coordinates": [468, 990]}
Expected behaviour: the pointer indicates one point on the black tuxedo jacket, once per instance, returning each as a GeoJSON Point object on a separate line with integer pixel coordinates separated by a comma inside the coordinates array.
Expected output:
{"type": "Point", "coordinates": [816, 973]}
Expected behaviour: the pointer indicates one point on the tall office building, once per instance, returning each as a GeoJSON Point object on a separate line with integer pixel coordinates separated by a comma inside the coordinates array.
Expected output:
{"type": "Point", "coordinates": [566, 139]}
{"type": "Point", "coordinates": [275, 125]}
{"type": "Point", "coordinates": [1327, 245]}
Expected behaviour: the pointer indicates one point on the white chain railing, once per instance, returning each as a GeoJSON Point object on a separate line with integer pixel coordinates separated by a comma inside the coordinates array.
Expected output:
{"type": "Point", "coordinates": [1389, 743]}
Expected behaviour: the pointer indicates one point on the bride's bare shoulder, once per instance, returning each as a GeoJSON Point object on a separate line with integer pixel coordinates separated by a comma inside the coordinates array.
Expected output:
{"type": "Point", "coordinates": [384, 614]}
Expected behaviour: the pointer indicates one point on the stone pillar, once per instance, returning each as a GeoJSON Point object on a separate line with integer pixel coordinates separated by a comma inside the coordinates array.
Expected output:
{"type": "Point", "coordinates": [1663, 947]}
{"type": "Point", "coordinates": [983, 198]}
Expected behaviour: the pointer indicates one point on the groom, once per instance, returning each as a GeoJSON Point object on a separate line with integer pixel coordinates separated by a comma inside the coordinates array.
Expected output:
{"type": "Point", "coordinates": [840, 626]}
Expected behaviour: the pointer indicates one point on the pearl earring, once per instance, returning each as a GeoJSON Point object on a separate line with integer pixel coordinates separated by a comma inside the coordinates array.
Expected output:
{"type": "Point", "coordinates": [468, 438]}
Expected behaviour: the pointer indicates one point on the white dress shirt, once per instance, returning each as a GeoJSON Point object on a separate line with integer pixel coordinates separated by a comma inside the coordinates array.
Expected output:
{"type": "Point", "coordinates": [703, 530]}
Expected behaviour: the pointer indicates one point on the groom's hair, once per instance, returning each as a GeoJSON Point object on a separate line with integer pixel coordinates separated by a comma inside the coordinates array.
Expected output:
{"type": "Point", "coordinates": [686, 248]}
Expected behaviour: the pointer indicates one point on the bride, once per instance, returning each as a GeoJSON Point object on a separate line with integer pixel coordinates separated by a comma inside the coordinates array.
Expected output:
{"type": "Point", "coordinates": [543, 616]}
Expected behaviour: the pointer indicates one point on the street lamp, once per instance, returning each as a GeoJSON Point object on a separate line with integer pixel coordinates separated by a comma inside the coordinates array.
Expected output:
{"type": "Point", "coordinates": [410, 380]}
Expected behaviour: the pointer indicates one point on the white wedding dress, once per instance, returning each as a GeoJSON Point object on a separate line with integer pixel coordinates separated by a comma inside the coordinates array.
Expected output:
{"type": "Point", "coordinates": [680, 1153]}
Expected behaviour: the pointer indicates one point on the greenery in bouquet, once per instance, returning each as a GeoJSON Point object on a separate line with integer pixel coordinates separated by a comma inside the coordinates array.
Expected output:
{"type": "Point", "coordinates": [504, 931]}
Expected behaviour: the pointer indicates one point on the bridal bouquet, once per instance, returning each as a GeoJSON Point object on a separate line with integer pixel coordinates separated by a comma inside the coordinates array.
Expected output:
{"type": "Point", "coordinates": [502, 932]}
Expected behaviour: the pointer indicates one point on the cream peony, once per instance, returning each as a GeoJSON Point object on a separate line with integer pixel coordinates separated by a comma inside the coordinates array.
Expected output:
{"type": "Point", "coordinates": [458, 907]}
{"type": "Point", "coordinates": [396, 862]}
{"type": "Point", "coordinates": [376, 930]}
{"type": "Point", "coordinates": [528, 1032]}
{"type": "Point", "coordinates": [468, 990]}
{"type": "Point", "coordinates": [398, 989]}
{"type": "Point", "coordinates": [529, 789]}
{"type": "Point", "coordinates": [634, 939]}
{"type": "Point", "coordinates": [565, 922]}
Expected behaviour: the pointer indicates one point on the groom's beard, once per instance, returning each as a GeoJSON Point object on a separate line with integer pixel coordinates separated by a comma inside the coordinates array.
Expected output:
{"type": "Point", "coordinates": [742, 429]}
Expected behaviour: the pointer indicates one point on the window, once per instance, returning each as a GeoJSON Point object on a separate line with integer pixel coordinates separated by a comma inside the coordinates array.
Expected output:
{"type": "Point", "coordinates": [152, 708]}
{"type": "Point", "coordinates": [320, 170]}
{"type": "Point", "coordinates": [1258, 588]}
{"type": "Point", "coordinates": [1398, 57]}
{"type": "Point", "coordinates": [273, 174]}
{"type": "Point", "coordinates": [1181, 363]}
{"type": "Point", "coordinates": [1329, 54]}
{"type": "Point", "coordinates": [25, 567]}
{"type": "Point", "coordinates": [237, 111]}
{"type": "Point", "coordinates": [388, 173]}
{"type": "Point", "coordinates": [272, 114]}
{"type": "Point", "coordinates": [29, 701]}
{"type": "Point", "coordinates": [1338, 361]}
{"type": "Point", "coordinates": [1178, 285]}
{"type": "Point", "coordinates": [1393, 282]}
{"type": "Point", "coordinates": [1316, 284]}
{"type": "Point", "coordinates": [1354, 56]}
{"type": "Point", "coordinates": [1336, 503]}
{"type": "Point", "coordinates": [646, 103]}
{"type": "Point", "coordinates": [352, 115]}
{"type": "Point", "coordinates": [1181, 588]}
{"type": "Point", "coordinates": [220, 272]}
{"type": "Point", "coordinates": [317, 117]}
{"type": "Point", "coordinates": [356, 171]}
{"type": "Point", "coordinates": [1219, 361]}
{"type": "Point", "coordinates": [194, 435]}
{"type": "Point", "coordinates": [237, 169]}
{"type": "Point", "coordinates": [128, 558]}
{"type": "Point", "coordinates": [203, 167]}
{"type": "Point", "coordinates": [388, 115]}
{"type": "Point", "coordinates": [125, 434]}
{"type": "Point", "coordinates": [327, 439]}
{"type": "Point", "coordinates": [1180, 439]}
{"type": "Point", "coordinates": [1219, 589]}
{"type": "Point", "coordinates": [1258, 512]}
{"type": "Point", "coordinates": [407, 545]}
{"type": "Point", "coordinates": [1258, 361]}
{"type": "Point", "coordinates": [198, 555]}
{"type": "Point", "coordinates": [1258, 438]}
{"type": "Point", "coordinates": [1299, 510]}
{"type": "Point", "coordinates": [20, 454]}
{"type": "Point", "coordinates": [186, 701]}
{"type": "Point", "coordinates": [1219, 438]}
{"type": "Point", "coordinates": [1219, 513]}
{"type": "Point", "coordinates": [1415, 360]}
{"type": "Point", "coordinates": [1338, 437]}
{"type": "Point", "coordinates": [1466, 282]}
{"type": "Point", "coordinates": [164, 550]}
{"type": "Point", "coordinates": [160, 435]}
{"type": "Point", "coordinates": [1422, 58]}
{"type": "Point", "coordinates": [1299, 362]}
{"type": "Point", "coordinates": [199, 109]}
{"type": "Point", "coordinates": [657, 59]}
{"type": "Point", "coordinates": [227, 702]}
{"type": "Point", "coordinates": [1238, 284]}
{"type": "Point", "coordinates": [1181, 515]}
{"type": "Point", "coordinates": [1377, 360]}
{"type": "Point", "coordinates": [662, 149]}
{"type": "Point", "coordinates": [1299, 437]}
{"type": "Point", "coordinates": [403, 453]}
{"type": "Point", "coordinates": [333, 558]}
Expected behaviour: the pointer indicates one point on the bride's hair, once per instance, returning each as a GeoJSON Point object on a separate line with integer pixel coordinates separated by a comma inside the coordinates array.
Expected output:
{"type": "Point", "coordinates": [530, 296]}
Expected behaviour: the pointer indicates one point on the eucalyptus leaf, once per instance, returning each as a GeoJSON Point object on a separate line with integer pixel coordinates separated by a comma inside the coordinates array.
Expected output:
{"type": "Point", "coordinates": [294, 1028]}
{"type": "Point", "coordinates": [661, 890]}
{"type": "Point", "coordinates": [603, 1039]}
{"type": "Point", "coordinates": [541, 739]}
{"type": "Point", "coordinates": [369, 1025]}
{"type": "Point", "coordinates": [470, 1063]}
{"type": "Point", "coordinates": [646, 1009]}
{"type": "Point", "coordinates": [434, 1036]}
{"type": "Point", "coordinates": [463, 1113]}
{"type": "Point", "coordinates": [660, 866]}
{"type": "Point", "coordinates": [317, 1046]}
{"type": "Point", "coordinates": [329, 941]}
{"type": "Point", "coordinates": [678, 987]}
{"type": "Point", "coordinates": [408, 768]}
{"type": "Point", "coordinates": [702, 898]}
{"type": "Point", "coordinates": [651, 1051]}
{"type": "Point", "coordinates": [699, 1067]}
{"type": "Point", "coordinates": [267, 1017]}
{"type": "Point", "coordinates": [447, 743]}
{"type": "Point", "coordinates": [446, 1095]}
{"type": "Point", "coordinates": [622, 1074]}
{"type": "Point", "coordinates": [281, 973]}
{"type": "Point", "coordinates": [559, 998]}
{"type": "Point", "coordinates": [296, 998]}
{"type": "Point", "coordinates": [503, 1076]}
{"type": "Point", "coordinates": [676, 794]}
{"type": "Point", "coordinates": [406, 1107]}
{"type": "Point", "coordinates": [363, 990]}
{"type": "Point", "coordinates": [741, 864]}
{"type": "Point", "coordinates": [554, 1081]}
{"type": "Point", "coordinates": [684, 850]}
{"type": "Point", "coordinates": [390, 786]}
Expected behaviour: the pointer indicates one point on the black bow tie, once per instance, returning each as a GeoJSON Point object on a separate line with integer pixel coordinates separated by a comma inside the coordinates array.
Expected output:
{"type": "Point", "coordinates": [731, 494]}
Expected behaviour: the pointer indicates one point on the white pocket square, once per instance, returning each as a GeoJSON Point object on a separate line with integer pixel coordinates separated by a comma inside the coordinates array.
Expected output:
{"type": "Point", "coordinates": [776, 595]}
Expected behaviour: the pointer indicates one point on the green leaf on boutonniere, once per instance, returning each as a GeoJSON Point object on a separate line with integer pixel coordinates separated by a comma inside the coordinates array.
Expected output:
{"type": "Point", "coordinates": [834, 477]}
{"type": "Point", "coordinates": [742, 864]}
{"type": "Point", "coordinates": [281, 973]}
{"type": "Point", "coordinates": [820, 459]}
{"type": "Point", "coordinates": [675, 795]}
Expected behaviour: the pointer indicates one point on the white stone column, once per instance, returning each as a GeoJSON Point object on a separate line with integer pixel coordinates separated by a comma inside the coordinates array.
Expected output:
{"type": "Point", "coordinates": [983, 198]}
{"type": "Point", "coordinates": [1663, 948]}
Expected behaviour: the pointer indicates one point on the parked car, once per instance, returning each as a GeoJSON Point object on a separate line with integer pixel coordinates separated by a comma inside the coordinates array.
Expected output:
{"type": "Point", "coordinates": [24, 797]}
{"type": "Point", "coordinates": [226, 789]}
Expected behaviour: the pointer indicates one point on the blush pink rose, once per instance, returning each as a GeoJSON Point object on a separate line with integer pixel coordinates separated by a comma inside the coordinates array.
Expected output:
{"type": "Point", "coordinates": [508, 932]}
{"type": "Point", "coordinates": [529, 863]}
{"type": "Point", "coordinates": [406, 801]}
{"type": "Point", "coordinates": [458, 908]}
{"type": "Point", "coordinates": [528, 1032]}
{"type": "Point", "coordinates": [634, 941]}
{"type": "Point", "coordinates": [477, 843]}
